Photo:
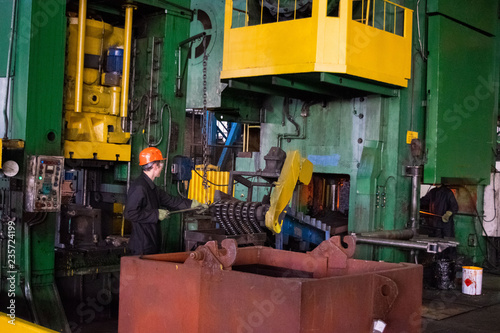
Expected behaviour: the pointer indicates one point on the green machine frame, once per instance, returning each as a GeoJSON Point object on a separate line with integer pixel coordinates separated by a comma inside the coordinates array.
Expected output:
{"type": "Point", "coordinates": [350, 127]}
{"type": "Point", "coordinates": [35, 127]}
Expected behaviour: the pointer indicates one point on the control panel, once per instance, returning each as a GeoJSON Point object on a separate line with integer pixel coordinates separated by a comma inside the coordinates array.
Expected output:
{"type": "Point", "coordinates": [43, 193]}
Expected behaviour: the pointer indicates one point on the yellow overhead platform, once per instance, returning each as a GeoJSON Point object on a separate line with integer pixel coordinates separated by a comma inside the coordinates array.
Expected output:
{"type": "Point", "coordinates": [370, 39]}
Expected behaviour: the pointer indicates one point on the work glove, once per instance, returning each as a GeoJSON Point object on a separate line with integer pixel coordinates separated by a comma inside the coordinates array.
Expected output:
{"type": "Point", "coordinates": [163, 214]}
{"type": "Point", "coordinates": [446, 216]}
{"type": "Point", "coordinates": [195, 203]}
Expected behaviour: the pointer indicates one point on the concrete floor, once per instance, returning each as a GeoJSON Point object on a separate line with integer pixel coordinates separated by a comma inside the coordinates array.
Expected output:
{"type": "Point", "coordinates": [110, 326]}
{"type": "Point", "coordinates": [451, 311]}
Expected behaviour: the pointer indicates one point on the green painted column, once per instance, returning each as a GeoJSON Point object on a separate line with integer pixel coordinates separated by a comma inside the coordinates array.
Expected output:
{"type": "Point", "coordinates": [36, 119]}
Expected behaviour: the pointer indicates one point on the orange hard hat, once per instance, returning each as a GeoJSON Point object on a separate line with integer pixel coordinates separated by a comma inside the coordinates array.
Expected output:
{"type": "Point", "coordinates": [149, 155]}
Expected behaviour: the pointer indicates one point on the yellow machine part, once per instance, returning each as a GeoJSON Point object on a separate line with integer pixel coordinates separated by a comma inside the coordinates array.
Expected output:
{"type": "Point", "coordinates": [121, 226]}
{"type": "Point", "coordinates": [96, 131]}
{"type": "Point", "coordinates": [326, 44]}
{"type": "Point", "coordinates": [98, 35]}
{"type": "Point", "coordinates": [21, 326]}
{"type": "Point", "coordinates": [294, 169]}
{"type": "Point", "coordinates": [196, 189]}
{"type": "Point", "coordinates": [95, 128]}
{"type": "Point", "coordinates": [102, 151]}
{"type": "Point", "coordinates": [96, 99]}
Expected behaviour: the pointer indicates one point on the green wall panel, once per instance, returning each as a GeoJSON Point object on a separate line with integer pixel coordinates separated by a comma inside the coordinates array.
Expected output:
{"type": "Point", "coordinates": [480, 14]}
{"type": "Point", "coordinates": [472, 244]}
{"type": "Point", "coordinates": [39, 76]}
{"type": "Point", "coordinates": [461, 113]}
{"type": "Point", "coordinates": [5, 32]}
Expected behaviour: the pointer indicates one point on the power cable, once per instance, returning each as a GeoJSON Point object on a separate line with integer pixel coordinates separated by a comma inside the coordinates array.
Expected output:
{"type": "Point", "coordinates": [208, 181]}
{"type": "Point", "coordinates": [422, 51]}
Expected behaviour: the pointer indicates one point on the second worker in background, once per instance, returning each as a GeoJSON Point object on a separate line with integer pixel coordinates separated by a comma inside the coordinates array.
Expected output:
{"type": "Point", "coordinates": [441, 202]}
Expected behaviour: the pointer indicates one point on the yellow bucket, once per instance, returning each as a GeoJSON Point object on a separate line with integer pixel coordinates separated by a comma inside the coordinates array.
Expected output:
{"type": "Point", "coordinates": [472, 280]}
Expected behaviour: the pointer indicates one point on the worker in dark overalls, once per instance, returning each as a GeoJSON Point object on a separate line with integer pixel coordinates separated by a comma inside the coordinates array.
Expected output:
{"type": "Point", "coordinates": [441, 202]}
{"type": "Point", "coordinates": [147, 204]}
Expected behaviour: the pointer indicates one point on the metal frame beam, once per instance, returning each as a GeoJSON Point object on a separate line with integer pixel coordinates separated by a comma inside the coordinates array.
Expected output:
{"type": "Point", "coordinates": [359, 85]}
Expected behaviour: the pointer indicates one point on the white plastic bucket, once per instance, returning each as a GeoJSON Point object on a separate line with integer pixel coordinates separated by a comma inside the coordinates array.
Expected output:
{"type": "Point", "coordinates": [472, 280]}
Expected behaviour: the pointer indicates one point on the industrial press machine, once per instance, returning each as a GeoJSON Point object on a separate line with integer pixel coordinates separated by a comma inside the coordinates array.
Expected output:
{"type": "Point", "coordinates": [378, 96]}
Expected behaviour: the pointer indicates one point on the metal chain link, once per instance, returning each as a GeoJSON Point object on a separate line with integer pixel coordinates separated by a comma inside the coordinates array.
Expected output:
{"type": "Point", "coordinates": [205, 121]}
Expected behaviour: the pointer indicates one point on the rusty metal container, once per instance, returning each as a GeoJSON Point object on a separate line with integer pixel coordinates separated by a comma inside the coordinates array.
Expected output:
{"type": "Point", "coordinates": [260, 289]}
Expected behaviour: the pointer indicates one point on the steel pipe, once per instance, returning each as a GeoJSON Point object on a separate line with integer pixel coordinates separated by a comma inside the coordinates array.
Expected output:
{"type": "Point", "coordinates": [12, 37]}
{"type": "Point", "coordinates": [80, 55]}
{"type": "Point", "coordinates": [414, 172]}
{"type": "Point", "coordinates": [392, 242]}
{"type": "Point", "coordinates": [390, 234]}
{"type": "Point", "coordinates": [126, 59]}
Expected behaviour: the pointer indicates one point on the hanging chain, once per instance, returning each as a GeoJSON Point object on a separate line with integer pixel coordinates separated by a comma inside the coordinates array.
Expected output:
{"type": "Point", "coordinates": [205, 121]}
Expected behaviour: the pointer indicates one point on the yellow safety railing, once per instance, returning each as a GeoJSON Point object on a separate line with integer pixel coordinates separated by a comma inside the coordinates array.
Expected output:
{"type": "Point", "coordinates": [248, 12]}
{"type": "Point", "coordinates": [380, 14]}
{"type": "Point", "coordinates": [240, 18]}
{"type": "Point", "coordinates": [246, 135]}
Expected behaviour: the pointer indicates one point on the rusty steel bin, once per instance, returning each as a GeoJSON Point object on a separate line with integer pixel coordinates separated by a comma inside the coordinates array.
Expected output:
{"type": "Point", "coordinates": [260, 289]}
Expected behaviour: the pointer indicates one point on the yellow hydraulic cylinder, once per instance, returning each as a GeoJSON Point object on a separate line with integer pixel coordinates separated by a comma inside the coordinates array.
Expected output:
{"type": "Point", "coordinates": [126, 59]}
{"type": "Point", "coordinates": [82, 18]}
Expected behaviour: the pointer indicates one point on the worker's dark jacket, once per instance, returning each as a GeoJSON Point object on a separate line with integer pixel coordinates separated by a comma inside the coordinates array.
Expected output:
{"type": "Point", "coordinates": [143, 201]}
{"type": "Point", "coordinates": [438, 201]}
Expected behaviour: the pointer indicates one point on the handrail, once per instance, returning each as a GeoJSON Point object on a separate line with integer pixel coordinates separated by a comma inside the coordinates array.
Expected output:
{"type": "Point", "coordinates": [368, 16]}
{"type": "Point", "coordinates": [395, 4]}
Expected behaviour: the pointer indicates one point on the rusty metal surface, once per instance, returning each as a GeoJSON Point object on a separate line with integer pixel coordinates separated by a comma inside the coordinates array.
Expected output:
{"type": "Point", "coordinates": [193, 238]}
{"type": "Point", "coordinates": [259, 289]}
